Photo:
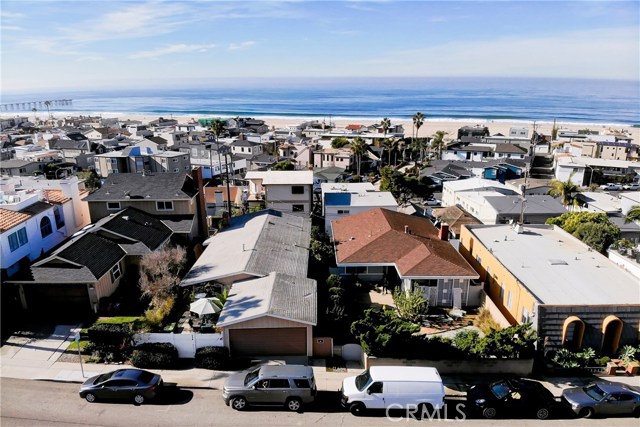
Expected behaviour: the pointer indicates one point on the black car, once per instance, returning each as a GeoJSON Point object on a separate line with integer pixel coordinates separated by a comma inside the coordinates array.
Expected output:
{"type": "Point", "coordinates": [515, 396]}
{"type": "Point", "coordinates": [134, 384]}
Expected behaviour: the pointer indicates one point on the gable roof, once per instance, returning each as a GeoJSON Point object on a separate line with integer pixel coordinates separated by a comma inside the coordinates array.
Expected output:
{"type": "Point", "coordinates": [278, 295]}
{"type": "Point", "coordinates": [96, 253]}
{"type": "Point", "coordinates": [159, 186]}
{"type": "Point", "coordinates": [455, 217]}
{"type": "Point", "coordinates": [140, 226]}
{"type": "Point", "coordinates": [255, 244]}
{"type": "Point", "coordinates": [378, 236]}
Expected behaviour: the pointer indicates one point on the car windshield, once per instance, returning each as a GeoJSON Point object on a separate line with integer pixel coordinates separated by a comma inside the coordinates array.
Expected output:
{"type": "Point", "coordinates": [500, 390]}
{"type": "Point", "coordinates": [595, 392]}
{"type": "Point", "coordinates": [102, 378]}
{"type": "Point", "coordinates": [363, 380]}
{"type": "Point", "coordinates": [251, 376]}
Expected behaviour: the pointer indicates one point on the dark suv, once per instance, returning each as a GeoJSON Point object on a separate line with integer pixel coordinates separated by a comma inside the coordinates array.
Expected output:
{"type": "Point", "coordinates": [288, 385]}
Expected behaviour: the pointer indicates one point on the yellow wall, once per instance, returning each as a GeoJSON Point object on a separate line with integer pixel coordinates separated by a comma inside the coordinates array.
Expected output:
{"type": "Point", "coordinates": [521, 299]}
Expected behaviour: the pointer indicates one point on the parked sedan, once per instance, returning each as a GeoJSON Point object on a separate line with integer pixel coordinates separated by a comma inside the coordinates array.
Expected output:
{"type": "Point", "coordinates": [134, 384]}
{"type": "Point", "coordinates": [515, 396]}
{"type": "Point", "coordinates": [603, 399]}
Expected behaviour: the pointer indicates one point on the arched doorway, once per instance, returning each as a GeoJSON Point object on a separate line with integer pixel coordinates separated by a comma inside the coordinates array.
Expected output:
{"type": "Point", "coordinates": [611, 332]}
{"type": "Point", "coordinates": [572, 333]}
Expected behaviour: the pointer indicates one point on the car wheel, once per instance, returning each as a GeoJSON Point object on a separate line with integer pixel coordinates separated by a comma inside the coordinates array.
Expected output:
{"type": "Point", "coordinates": [636, 412]}
{"type": "Point", "coordinates": [90, 397]}
{"type": "Point", "coordinates": [543, 413]}
{"type": "Point", "coordinates": [587, 413]}
{"type": "Point", "coordinates": [294, 404]}
{"type": "Point", "coordinates": [238, 403]}
{"type": "Point", "coordinates": [489, 413]}
{"type": "Point", "coordinates": [138, 399]}
{"type": "Point", "coordinates": [357, 408]}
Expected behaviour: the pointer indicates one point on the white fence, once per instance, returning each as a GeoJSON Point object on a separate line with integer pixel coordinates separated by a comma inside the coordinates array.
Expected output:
{"type": "Point", "coordinates": [185, 343]}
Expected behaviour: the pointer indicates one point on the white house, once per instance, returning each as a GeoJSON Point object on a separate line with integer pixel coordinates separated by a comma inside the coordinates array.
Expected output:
{"type": "Point", "coordinates": [492, 207]}
{"type": "Point", "coordinates": [333, 157]}
{"type": "Point", "coordinates": [628, 200]}
{"type": "Point", "coordinates": [580, 169]}
{"type": "Point", "coordinates": [452, 189]}
{"type": "Point", "coordinates": [342, 199]}
{"type": "Point", "coordinates": [286, 191]}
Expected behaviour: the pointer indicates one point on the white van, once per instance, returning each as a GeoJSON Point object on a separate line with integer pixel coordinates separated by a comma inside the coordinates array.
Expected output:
{"type": "Point", "coordinates": [394, 387]}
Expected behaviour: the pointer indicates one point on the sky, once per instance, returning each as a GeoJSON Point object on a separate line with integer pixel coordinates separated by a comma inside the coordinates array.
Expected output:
{"type": "Point", "coordinates": [98, 44]}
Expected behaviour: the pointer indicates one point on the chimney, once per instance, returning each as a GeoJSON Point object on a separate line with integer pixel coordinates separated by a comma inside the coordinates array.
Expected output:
{"type": "Point", "coordinates": [201, 205]}
{"type": "Point", "coordinates": [443, 234]}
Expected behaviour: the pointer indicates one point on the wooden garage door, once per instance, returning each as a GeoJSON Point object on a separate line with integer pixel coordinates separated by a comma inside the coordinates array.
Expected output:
{"type": "Point", "coordinates": [268, 341]}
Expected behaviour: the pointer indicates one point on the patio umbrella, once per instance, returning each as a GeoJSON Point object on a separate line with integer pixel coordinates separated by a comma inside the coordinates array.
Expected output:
{"type": "Point", "coordinates": [204, 306]}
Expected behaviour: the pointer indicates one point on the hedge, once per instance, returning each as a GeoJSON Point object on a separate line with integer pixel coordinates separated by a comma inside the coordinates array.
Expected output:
{"type": "Point", "coordinates": [107, 333]}
{"type": "Point", "coordinates": [154, 355]}
{"type": "Point", "coordinates": [216, 358]}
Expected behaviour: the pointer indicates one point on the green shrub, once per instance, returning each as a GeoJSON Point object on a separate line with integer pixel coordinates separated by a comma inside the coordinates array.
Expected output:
{"type": "Point", "coordinates": [467, 340]}
{"type": "Point", "coordinates": [154, 355]}
{"type": "Point", "coordinates": [216, 358]}
{"type": "Point", "coordinates": [628, 353]}
{"type": "Point", "coordinates": [111, 334]}
{"type": "Point", "coordinates": [601, 361]}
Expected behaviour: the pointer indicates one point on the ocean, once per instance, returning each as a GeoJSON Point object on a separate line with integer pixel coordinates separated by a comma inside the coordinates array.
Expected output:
{"type": "Point", "coordinates": [456, 99]}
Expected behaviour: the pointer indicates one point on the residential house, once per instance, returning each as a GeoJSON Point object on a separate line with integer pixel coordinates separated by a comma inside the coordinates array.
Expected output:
{"type": "Point", "coordinates": [141, 159]}
{"type": "Point", "coordinates": [492, 207]}
{"type": "Point", "coordinates": [15, 167]}
{"type": "Point", "coordinates": [334, 157]}
{"type": "Point", "coordinates": [581, 170]}
{"type": "Point", "coordinates": [326, 175]}
{"type": "Point", "coordinates": [530, 186]}
{"type": "Point", "coordinates": [92, 264]}
{"type": "Point", "coordinates": [478, 152]}
{"type": "Point", "coordinates": [217, 200]}
{"type": "Point", "coordinates": [455, 217]}
{"type": "Point", "coordinates": [244, 146]}
{"type": "Point", "coordinates": [36, 215]}
{"type": "Point", "coordinates": [341, 199]}
{"type": "Point", "coordinates": [173, 198]}
{"type": "Point", "coordinates": [286, 191]}
{"type": "Point", "coordinates": [100, 133]}
{"type": "Point", "coordinates": [451, 190]}
{"type": "Point", "coordinates": [270, 315]}
{"type": "Point", "coordinates": [379, 245]}
{"type": "Point", "coordinates": [628, 200]}
{"type": "Point", "coordinates": [573, 296]}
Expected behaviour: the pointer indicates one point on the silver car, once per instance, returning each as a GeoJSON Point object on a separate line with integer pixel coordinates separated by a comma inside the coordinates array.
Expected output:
{"type": "Point", "coordinates": [288, 385]}
{"type": "Point", "coordinates": [603, 399]}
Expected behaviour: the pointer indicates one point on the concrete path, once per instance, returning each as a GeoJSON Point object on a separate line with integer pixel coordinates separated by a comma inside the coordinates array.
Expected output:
{"type": "Point", "coordinates": [37, 352]}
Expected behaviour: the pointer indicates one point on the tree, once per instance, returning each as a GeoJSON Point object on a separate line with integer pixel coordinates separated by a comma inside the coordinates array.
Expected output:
{"type": "Point", "coordinates": [159, 273]}
{"type": "Point", "coordinates": [554, 131]}
{"type": "Point", "coordinates": [47, 104]}
{"type": "Point", "coordinates": [418, 121]}
{"type": "Point", "coordinates": [390, 144]}
{"type": "Point", "coordinates": [386, 124]}
{"type": "Point", "coordinates": [388, 180]}
{"type": "Point", "coordinates": [633, 215]}
{"type": "Point", "coordinates": [594, 229]}
{"type": "Point", "coordinates": [421, 145]}
{"type": "Point", "coordinates": [438, 142]}
{"type": "Point", "coordinates": [216, 127]}
{"type": "Point", "coordinates": [382, 331]}
{"type": "Point", "coordinates": [359, 148]}
{"type": "Point", "coordinates": [563, 190]}
{"type": "Point", "coordinates": [339, 142]}
{"type": "Point", "coordinates": [411, 306]}
{"type": "Point", "coordinates": [284, 165]}
{"type": "Point", "coordinates": [90, 178]}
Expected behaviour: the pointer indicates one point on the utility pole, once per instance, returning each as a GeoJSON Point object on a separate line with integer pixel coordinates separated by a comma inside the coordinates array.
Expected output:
{"type": "Point", "coordinates": [524, 197]}
{"type": "Point", "coordinates": [228, 189]}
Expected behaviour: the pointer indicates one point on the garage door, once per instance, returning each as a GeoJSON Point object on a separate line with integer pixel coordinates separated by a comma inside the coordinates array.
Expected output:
{"type": "Point", "coordinates": [268, 341]}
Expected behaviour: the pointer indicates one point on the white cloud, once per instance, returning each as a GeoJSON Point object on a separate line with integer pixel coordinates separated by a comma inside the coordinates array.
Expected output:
{"type": "Point", "coordinates": [171, 49]}
{"type": "Point", "coordinates": [11, 15]}
{"type": "Point", "coordinates": [241, 45]}
{"type": "Point", "coordinates": [11, 28]}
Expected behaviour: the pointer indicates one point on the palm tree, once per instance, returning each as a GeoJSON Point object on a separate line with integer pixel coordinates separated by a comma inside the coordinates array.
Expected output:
{"type": "Point", "coordinates": [438, 142]}
{"type": "Point", "coordinates": [359, 147]}
{"type": "Point", "coordinates": [563, 190]}
{"type": "Point", "coordinates": [422, 145]}
{"type": "Point", "coordinates": [47, 104]}
{"type": "Point", "coordinates": [217, 126]}
{"type": "Point", "coordinates": [418, 120]}
{"type": "Point", "coordinates": [390, 145]}
{"type": "Point", "coordinates": [386, 124]}
{"type": "Point", "coordinates": [633, 215]}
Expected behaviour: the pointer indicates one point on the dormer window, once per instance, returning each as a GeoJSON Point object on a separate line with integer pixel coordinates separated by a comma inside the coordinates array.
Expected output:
{"type": "Point", "coordinates": [164, 205]}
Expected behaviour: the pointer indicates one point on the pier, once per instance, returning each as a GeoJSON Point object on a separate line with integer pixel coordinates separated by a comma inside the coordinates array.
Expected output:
{"type": "Point", "coordinates": [30, 105]}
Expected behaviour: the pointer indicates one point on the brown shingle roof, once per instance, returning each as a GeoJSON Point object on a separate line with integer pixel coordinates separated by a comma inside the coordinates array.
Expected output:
{"type": "Point", "coordinates": [455, 217]}
{"type": "Point", "coordinates": [378, 236]}
{"type": "Point", "coordinates": [9, 219]}
{"type": "Point", "coordinates": [55, 196]}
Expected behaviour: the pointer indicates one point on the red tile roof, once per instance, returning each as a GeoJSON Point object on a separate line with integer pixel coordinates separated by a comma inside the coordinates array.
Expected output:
{"type": "Point", "coordinates": [210, 194]}
{"type": "Point", "coordinates": [9, 219]}
{"type": "Point", "coordinates": [354, 127]}
{"type": "Point", "coordinates": [55, 196]}
{"type": "Point", "coordinates": [378, 236]}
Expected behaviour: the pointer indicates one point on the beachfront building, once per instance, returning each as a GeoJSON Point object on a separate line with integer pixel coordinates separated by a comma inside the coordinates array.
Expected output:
{"type": "Point", "coordinates": [380, 244]}
{"type": "Point", "coordinates": [584, 171]}
{"type": "Point", "coordinates": [342, 199]}
{"type": "Point", "coordinates": [286, 191]}
{"type": "Point", "coordinates": [573, 296]}
{"type": "Point", "coordinates": [478, 152]}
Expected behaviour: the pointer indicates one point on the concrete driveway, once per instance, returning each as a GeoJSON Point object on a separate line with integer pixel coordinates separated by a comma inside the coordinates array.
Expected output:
{"type": "Point", "coordinates": [30, 352]}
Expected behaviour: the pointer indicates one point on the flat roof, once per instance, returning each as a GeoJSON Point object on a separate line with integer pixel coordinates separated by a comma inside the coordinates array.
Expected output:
{"type": "Point", "coordinates": [573, 161]}
{"type": "Point", "coordinates": [557, 268]}
{"type": "Point", "coordinates": [404, 373]}
{"type": "Point", "coordinates": [474, 183]}
{"type": "Point", "coordinates": [282, 177]}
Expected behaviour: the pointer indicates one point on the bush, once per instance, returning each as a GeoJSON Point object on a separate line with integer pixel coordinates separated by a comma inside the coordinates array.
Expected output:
{"type": "Point", "coordinates": [155, 316]}
{"type": "Point", "coordinates": [216, 358]}
{"type": "Point", "coordinates": [109, 333]}
{"type": "Point", "coordinates": [485, 322]}
{"type": "Point", "coordinates": [154, 355]}
{"type": "Point", "coordinates": [467, 341]}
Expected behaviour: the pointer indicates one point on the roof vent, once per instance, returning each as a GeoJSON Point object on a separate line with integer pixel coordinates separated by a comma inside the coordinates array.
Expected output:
{"type": "Point", "coordinates": [126, 218]}
{"type": "Point", "coordinates": [557, 262]}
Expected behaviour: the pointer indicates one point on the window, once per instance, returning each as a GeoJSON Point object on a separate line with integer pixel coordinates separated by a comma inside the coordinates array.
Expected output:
{"type": "Point", "coordinates": [114, 161]}
{"type": "Point", "coordinates": [45, 226]}
{"type": "Point", "coordinates": [278, 383]}
{"type": "Point", "coordinates": [298, 208]}
{"type": "Point", "coordinates": [355, 270]}
{"type": "Point", "coordinates": [18, 239]}
{"type": "Point", "coordinates": [375, 387]}
{"type": "Point", "coordinates": [113, 206]}
{"type": "Point", "coordinates": [343, 212]}
{"type": "Point", "coordinates": [509, 300]}
{"type": "Point", "coordinates": [115, 272]}
{"type": "Point", "coordinates": [297, 189]}
{"type": "Point", "coordinates": [302, 383]}
{"type": "Point", "coordinates": [164, 206]}
{"type": "Point", "coordinates": [59, 217]}
{"type": "Point", "coordinates": [502, 292]}
{"type": "Point", "coordinates": [525, 315]}
{"type": "Point", "coordinates": [478, 259]}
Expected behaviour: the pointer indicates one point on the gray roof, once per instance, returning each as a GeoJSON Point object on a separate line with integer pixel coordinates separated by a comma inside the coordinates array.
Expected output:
{"type": "Point", "coordinates": [276, 295]}
{"type": "Point", "coordinates": [15, 163]}
{"type": "Point", "coordinates": [509, 148]}
{"type": "Point", "coordinates": [156, 186]}
{"type": "Point", "coordinates": [255, 244]}
{"type": "Point", "coordinates": [557, 268]}
{"type": "Point", "coordinates": [540, 204]}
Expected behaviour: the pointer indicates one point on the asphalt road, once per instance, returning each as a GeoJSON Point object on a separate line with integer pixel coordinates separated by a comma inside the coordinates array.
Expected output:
{"type": "Point", "coordinates": [44, 403]}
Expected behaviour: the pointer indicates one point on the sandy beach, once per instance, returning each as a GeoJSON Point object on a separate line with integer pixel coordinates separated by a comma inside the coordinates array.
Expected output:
{"type": "Point", "coordinates": [428, 128]}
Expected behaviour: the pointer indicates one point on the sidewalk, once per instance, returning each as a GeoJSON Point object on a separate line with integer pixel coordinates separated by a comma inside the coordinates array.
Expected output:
{"type": "Point", "coordinates": [36, 359]}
